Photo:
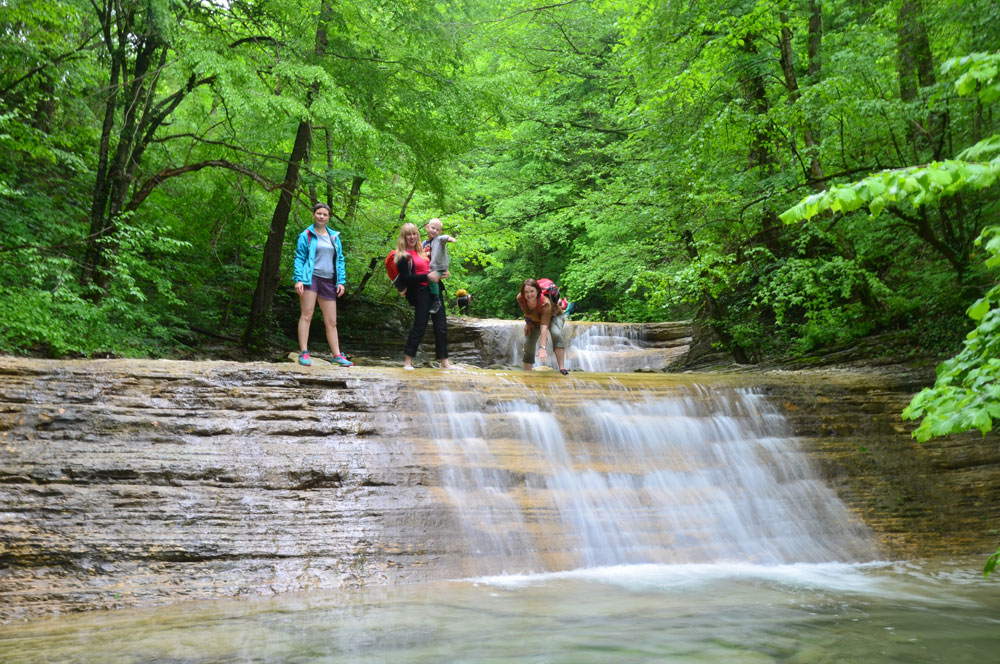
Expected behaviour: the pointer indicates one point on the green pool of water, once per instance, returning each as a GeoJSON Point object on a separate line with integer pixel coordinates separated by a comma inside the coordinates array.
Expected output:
{"type": "Point", "coordinates": [900, 612]}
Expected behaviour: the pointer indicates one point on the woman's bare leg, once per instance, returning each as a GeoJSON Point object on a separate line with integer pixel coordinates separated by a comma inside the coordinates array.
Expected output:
{"type": "Point", "coordinates": [561, 358]}
{"type": "Point", "coordinates": [329, 309]}
{"type": "Point", "coordinates": [307, 305]}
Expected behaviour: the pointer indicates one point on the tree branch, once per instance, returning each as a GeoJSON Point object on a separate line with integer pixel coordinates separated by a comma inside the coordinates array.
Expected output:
{"type": "Point", "coordinates": [150, 184]}
{"type": "Point", "coordinates": [53, 61]}
{"type": "Point", "coordinates": [563, 123]}
{"type": "Point", "coordinates": [63, 245]}
{"type": "Point", "coordinates": [256, 39]}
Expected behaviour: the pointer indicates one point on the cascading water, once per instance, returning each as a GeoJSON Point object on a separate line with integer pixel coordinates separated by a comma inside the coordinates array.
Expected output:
{"type": "Point", "coordinates": [592, 347]}
{"type": "Point", "coordinates": [577, 474]}
{"type": "Point", "coordinates": [665, 518]}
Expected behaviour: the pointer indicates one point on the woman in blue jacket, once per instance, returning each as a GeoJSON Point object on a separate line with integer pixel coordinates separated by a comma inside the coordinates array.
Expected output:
{"type": "Point", "coordinates": [319, 274]}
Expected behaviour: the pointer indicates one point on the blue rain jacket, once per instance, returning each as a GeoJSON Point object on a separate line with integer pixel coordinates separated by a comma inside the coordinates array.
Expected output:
{"type": "Point", "coordinates": [305, 256]}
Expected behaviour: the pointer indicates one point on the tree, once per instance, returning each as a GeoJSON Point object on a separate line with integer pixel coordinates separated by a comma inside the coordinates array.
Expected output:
{"type": "Point", "coordinates": [966, 394]}
{"type": "Point", "coordinates": [387, 88]}
{"type": "Point", "coordinates": [267, 280]}
{"type": "Point", "coordinates": [138, 38]}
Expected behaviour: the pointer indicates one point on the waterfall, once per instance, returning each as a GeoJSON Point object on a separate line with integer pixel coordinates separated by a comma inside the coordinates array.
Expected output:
{"type": "Point", "coordinates": [579, 473]}
{"type": "Point", "coordinates": [593, 347]}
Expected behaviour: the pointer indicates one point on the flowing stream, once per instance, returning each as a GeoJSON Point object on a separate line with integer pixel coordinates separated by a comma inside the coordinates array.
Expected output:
{"type": "Point", "coordinates": [602, 523]}
{"type": "Point", "coordinates": [693, 474]}
{"type": "Point", "coordinates": [819, 613]}
{"type": "Point", "coordinates": [601, 347]}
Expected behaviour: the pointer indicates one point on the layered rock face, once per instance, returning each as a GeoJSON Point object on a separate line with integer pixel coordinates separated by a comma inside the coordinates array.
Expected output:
{"type": "Point", "coordinates": [941, 497]}
{"type": "Point", "coordinates": [129, 483]}
{"type": "Point", "coordinates": [490, 342]}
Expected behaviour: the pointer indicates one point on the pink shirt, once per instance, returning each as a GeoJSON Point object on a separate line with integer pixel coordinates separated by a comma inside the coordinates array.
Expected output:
{"type": "Point", "coordinates": [421, 265]}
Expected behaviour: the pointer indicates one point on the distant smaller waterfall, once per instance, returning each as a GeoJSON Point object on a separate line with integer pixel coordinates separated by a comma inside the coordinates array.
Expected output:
{"type": "Point", "coordinates": [594, 347]}
{"type": "Point", "coordinates": [603, 347]}
{"type": "Point", "coordinates": [585, 474]}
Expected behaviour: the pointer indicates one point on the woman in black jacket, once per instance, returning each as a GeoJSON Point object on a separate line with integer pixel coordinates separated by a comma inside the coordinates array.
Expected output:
{"type": "Point", "coordinates": [412, 281]}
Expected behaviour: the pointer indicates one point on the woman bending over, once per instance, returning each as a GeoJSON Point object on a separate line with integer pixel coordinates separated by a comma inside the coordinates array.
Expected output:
{"type": "Point", "coordinates": [543, 321]}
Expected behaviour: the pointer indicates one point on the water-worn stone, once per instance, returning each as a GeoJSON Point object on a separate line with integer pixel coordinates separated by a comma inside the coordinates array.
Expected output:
{"type": "Point", "coordinates": [131, 482]}
{"type": "Point", "coordinates": [485, 342]}
{"type": "Point", "coordinates": [937, 498]}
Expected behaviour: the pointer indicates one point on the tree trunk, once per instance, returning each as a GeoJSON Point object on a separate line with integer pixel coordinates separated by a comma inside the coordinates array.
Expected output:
{"type": "Point", "coordinates": [99, 201]}
{"type": "Point", "coordinates": [915, 67]}
{"type": "Point", "coordinates": [352, 200]}
{"type": "Point", "coordinates": [267, 280]}
{"type": "Point", "coordinates": [815, 36]}
{"type": "Point", "coordinates": [760, 156]}
{"type": "Point", "coordinates": [792, 84]}
{"type": "Point", "coordinates": [128, 153]}
{"type": "Point", "coordinates": [714, 310]}
{"type": "Point", "coordinates": [329, 168]}
{"type": "Point", "coordinates": [138, 55]}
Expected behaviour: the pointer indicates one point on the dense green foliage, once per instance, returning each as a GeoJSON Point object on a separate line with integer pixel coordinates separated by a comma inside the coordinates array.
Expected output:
{"type": "Point", "coordinates": [966, 394]}
{"type": "Point", "coordinates": [637, 153]}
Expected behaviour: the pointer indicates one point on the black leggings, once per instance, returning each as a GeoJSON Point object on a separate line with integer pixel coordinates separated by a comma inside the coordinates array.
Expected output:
{"type": "Point", "coordinates": [422, 308]}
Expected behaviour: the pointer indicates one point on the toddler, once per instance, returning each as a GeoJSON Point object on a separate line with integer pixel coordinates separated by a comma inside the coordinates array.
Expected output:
{"type": "Point", "coordinates": [437, 245]}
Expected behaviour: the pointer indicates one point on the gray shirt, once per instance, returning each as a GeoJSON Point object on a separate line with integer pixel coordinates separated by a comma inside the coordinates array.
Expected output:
{"type": "Point", "coordinates": [439, 253]}
{"type": "Point", "coordinates": [325, 256]}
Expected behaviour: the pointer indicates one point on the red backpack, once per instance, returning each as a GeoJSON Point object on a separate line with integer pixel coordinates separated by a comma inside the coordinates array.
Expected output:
{"type": "Point", "coordinates": [549, 289]}
{"type": "Point", "coordinates": [391, 268]}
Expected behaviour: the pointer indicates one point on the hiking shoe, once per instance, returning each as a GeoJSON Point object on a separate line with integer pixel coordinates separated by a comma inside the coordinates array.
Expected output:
{"type": "Point", "coordinates": [342, 360]}
{"type": "Point", "coordinates": [304, 359]}
{"type": "Point", "coordinates": [436, 305]}
{"type": "Point", "coordinates": [564, 372]}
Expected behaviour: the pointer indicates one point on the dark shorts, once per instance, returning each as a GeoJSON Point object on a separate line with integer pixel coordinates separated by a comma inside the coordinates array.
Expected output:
{"type": "Point", "coordinates": [323, 287]}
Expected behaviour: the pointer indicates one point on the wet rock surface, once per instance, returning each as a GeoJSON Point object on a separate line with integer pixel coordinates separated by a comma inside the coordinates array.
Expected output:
{"type": "Point", "coordinates": [136, 482]}
{"type": "Point", "coordinates": [491, 342]}
{"type": "Point", "coordinates": [938, 498]}
{"type": "Point", "coordinates": [126, 483]}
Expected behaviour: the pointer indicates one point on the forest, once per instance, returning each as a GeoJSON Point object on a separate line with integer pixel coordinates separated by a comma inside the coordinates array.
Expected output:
{"type": "Point", "coordinates": [792, 174]}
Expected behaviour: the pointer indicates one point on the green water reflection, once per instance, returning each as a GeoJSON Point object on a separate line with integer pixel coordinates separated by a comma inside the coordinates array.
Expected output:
{"type": "Point", "coordinates": [646, 613]}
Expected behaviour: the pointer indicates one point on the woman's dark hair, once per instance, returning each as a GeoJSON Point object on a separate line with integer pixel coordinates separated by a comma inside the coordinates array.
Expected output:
{"type": "Point", "coordinates": [533, 284]}
{"type": "Point", "coordinates": [322, 205]}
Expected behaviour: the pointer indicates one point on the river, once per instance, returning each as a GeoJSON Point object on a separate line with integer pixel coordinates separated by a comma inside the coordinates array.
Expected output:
{"type": "Point", "coordinates": [592, 519]}
{"type": "Point", "coordinates": [803, 613]}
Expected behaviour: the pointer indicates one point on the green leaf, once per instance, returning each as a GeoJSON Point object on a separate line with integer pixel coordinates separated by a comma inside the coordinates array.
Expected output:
{"type": "Point", "coordinates": [979, 309]}
{"type": "Point", "coordinates": [939, 176]}
{"type": "Point", "coordinates": [991, 563]}
{"type": "Point", "coordinates": [848, 199]}
{"type": "Point", "coordinates": [876, 206]}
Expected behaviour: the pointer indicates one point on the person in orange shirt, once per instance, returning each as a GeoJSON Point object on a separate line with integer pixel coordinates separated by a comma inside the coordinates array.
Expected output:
{"type": "Point", "coordinates": [462, 299]}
